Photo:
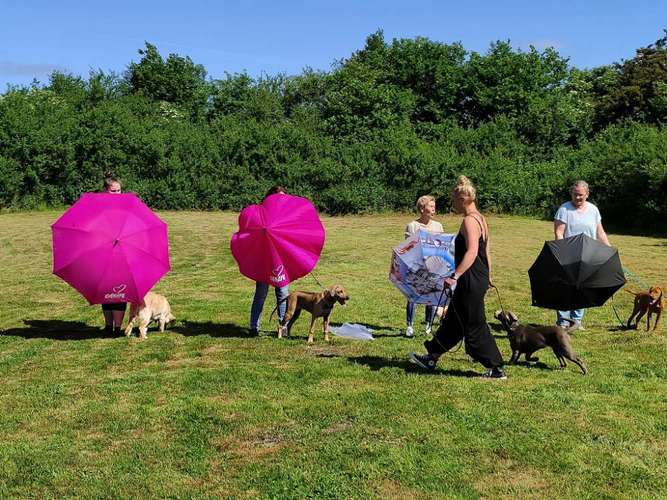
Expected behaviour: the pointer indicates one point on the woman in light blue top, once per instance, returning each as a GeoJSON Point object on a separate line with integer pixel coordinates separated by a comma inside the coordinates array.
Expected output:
{"type": "Point", "coordinates": [576, 217]}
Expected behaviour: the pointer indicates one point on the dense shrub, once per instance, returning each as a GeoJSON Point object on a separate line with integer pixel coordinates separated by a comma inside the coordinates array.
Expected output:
{"type": "Point", "coordinates": [391, 122]}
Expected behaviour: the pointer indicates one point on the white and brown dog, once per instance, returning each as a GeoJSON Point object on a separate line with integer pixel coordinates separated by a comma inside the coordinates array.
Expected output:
{"type": "Point", "coordinates": [154, 308]}
{"type": "Point", "coordinates": [317, 304]}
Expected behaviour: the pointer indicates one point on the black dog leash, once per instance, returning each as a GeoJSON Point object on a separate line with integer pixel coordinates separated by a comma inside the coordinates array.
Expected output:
{"type": "Point", "coordinates": [450, 295]}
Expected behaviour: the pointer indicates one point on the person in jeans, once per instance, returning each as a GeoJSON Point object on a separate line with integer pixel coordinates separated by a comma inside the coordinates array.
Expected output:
{"type": "Point", "coordinates": [426, 209]}
{"type": "Point", "coordinates": [576, 217]}
{"type": "Point", "coordinates": [465, 318]}
{"type": "Point", "coordinates": [262, 289]}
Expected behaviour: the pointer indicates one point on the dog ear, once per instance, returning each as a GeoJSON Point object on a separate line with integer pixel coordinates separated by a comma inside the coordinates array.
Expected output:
{"type": "Point", "coordinates": [497, 314]}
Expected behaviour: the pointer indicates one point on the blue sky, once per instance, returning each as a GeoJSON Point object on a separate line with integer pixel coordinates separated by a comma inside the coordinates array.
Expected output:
{"type": "Point", "coordinates": [274, 37]}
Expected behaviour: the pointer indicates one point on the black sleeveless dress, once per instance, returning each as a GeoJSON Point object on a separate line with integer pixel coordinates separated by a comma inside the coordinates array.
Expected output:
{"type": "Point", "coordinates": [466, 318]}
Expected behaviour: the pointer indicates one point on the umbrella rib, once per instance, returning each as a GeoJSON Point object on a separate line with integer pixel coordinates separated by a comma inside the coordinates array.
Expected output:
{"type": "Point", "coordinates": [282, 257]}
{"type": "Point", "coordinates": [131, 276]}
{"type": "Point", "coordinates": [157, 225]}
{"type": "Point", "coordinates": [99, 283]}
{"type": "Point", "coordinates": [94, 249]}
{"type": "Point", "coordinates": [147, 254]}
{"type": "Point", "coordinates": [67, 228]}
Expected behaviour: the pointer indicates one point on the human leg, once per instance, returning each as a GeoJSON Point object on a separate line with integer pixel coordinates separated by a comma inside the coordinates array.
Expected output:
{"type": "Point", "coordinates": [449, 333]}
{"type": "Point", "coordinates": [409, 313]}
{"type": "Point", "coordinates": [562, 317]}
{"type": "Point", "coordinates": [409, 318]}
{"type": "Point", "coordinates": [577, 315]}
{"type": "Point", "coordinates": [261, 290]}
{"type": "Point", "coordinates": [430, 316]}
{"type": "Point", "coordinates": [281, 300]}
{"type": "Point", "coordinates": [108, 318]}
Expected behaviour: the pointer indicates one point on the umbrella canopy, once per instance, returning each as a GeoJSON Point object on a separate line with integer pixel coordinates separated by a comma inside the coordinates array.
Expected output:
{"type": "Point", "coordinates": [420, 264]}
{"type": "Point", "coordinates": [279, 240]}
{"type": "Point", "coordinates": [110, 247]}
{"type": "Point", "coordinates": [574, 273]}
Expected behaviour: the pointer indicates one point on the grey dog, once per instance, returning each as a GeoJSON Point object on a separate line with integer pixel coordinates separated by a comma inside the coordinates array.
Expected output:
{"type": "Point", "coordinates": [526, 339]}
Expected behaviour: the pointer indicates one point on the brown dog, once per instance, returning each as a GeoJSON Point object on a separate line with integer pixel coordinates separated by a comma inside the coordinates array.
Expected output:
{"type": "Point", "coordinates": [154, 307]}
{"type": "Point", "coordinates": [647, 303]}
{"type": "Point", "coordinates": [317, 304]}
{"type": "Point", "coordinates": [528, 339]}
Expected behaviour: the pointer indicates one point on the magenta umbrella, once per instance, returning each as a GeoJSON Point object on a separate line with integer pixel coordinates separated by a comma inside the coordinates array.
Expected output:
{"type": "Point", "coordinates": [110, 247]}
{"type": "Point", "coordinates": [278, 241]}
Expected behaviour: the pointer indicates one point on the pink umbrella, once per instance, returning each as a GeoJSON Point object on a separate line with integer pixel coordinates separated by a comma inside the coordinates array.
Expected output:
{"type": "Point", "coordinates": [278, 241]}
{"type": "Point", "coordinates": [110, 247]}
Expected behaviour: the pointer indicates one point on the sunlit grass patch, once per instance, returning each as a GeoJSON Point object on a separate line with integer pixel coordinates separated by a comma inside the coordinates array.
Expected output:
{"type": "Point", "coordinates": [204, 410]}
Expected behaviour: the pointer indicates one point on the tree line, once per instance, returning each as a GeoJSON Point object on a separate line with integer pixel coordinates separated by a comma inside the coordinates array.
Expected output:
{"type": "Point", "coordinates": [392, 121]}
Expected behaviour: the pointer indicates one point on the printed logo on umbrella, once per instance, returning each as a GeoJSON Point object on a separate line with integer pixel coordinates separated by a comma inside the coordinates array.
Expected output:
{"type": "Point", "coordinates": [118, 293]}
{"type": "Point", "coordinates": [278, 274]}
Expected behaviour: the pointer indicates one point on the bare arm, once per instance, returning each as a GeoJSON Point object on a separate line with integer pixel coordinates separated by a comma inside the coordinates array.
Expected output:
{"type": "Point", "coordinates": [488, 251]}
{"type": "Point", "coordinates": [559, 229]}
{"type": "Point", "coordinates": [601, 235]}
{"type": "Point", "coordinates": [471, 233]}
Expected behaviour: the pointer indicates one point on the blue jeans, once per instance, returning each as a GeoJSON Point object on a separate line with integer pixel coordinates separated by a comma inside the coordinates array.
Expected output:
{"type": "Point", "coordinates": [410, 314]}
{"type": "Point", "coordinates": [261, 291]}
{"type": "Point", "coordinates": [576, 315]}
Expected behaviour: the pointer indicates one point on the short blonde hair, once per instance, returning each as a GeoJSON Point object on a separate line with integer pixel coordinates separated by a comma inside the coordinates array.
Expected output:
{"type": "Point", "coordinates": [464, 186]}
{"type": "Point", "coordinates": [423, 201]}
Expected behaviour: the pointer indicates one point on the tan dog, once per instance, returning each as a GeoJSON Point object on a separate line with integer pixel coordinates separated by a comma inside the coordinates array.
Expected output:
{"type": "Point", "coordinates": [647, 303]}
{"type": "Point", "coordinates": [154, 308]}
{"type": "Point", "coordinates": [526, 339]}
{"type": "Point", "coordinates": [317, 304]}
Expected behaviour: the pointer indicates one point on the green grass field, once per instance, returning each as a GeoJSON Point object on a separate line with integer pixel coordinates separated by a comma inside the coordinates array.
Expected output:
{"type": "Point", "coordinates": [204, 411]}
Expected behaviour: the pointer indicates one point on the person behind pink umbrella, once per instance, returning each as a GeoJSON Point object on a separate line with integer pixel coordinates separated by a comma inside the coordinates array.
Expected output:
{"type": "Point", "coordinates": [114, 312]}
{"type": "Point", "coordinates": [262, 289]}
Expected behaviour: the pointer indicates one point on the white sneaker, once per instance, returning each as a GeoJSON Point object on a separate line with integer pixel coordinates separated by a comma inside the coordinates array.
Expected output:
{"type": "Point", "coordinates": [409, 332]}
{"type": "Point", "coordinates": [427, 330]}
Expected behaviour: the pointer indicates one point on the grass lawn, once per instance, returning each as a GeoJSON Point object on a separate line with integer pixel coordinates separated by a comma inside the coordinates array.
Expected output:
{"type": "Point", "coordinates": [204, 411]}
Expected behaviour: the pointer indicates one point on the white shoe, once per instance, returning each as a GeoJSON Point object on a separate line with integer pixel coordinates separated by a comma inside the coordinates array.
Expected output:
{"type": "Point", "coordinates": [409, 332]}
{"type": "Point", "coordinates": [427, 330]}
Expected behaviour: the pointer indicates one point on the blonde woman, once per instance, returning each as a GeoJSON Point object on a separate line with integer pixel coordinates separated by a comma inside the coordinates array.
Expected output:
{"type": "Point", "coordinates": [426, 209]}
{"type": "Point", "coordinates": [465, 318]}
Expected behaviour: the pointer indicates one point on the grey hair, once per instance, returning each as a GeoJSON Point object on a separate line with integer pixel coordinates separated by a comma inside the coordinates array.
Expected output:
{"type": "Point", "coordinates": [579, 183]}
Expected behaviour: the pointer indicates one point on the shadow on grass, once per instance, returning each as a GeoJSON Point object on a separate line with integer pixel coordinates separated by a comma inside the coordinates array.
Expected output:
{"type": "Point", "coordinates": [55, 329]}
{"type": "Point", "coordinates": [621, 329]}
{"type": "Point", "coordinates": [533, 364]}
{"type": "Point", "coordinates": [376, 363]}
{"type": "Point", "coordinates": [223, 330]}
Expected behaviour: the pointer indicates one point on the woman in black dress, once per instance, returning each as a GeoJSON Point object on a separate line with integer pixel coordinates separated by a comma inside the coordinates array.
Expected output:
{"type": "Point", "coordinates": [465, 318]}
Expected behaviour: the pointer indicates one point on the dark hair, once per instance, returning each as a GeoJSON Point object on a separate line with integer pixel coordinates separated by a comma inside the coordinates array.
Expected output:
{"type": "Point", "coordinates": [109, 179]}
{"type": "Point", "coordinates": [275, 190]}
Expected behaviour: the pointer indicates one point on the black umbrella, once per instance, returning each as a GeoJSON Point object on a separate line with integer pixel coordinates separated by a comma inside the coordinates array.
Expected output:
{"type": "Point", "coordinates": [574, 273]}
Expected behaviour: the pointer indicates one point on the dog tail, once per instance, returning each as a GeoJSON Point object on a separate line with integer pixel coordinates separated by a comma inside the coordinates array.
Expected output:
{"type": "Point", "coordinates": [570, 328]}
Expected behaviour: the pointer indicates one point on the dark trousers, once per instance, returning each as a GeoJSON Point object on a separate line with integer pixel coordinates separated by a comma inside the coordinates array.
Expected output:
{"type": "Point", "coordinates": [466, 320]}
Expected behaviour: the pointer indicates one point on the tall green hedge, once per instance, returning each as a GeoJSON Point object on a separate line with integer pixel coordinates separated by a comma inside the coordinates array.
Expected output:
{"type": "Point", "coordinates": [389, 123]}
